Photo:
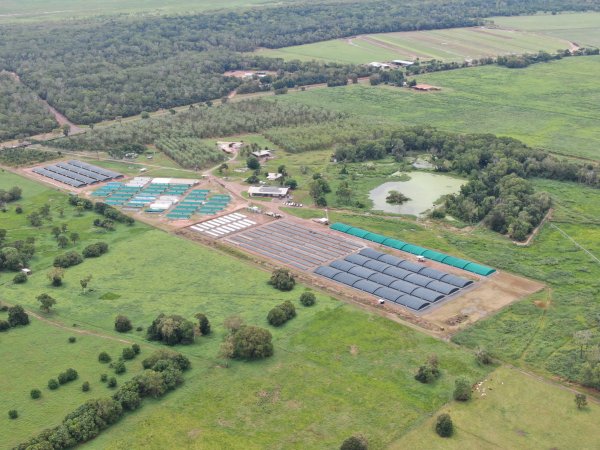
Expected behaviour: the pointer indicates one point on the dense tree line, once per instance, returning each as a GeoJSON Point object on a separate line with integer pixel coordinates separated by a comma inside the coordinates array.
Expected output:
{"type": "Point", "coordinates": [497, 168]}
{"type": "Point", "coordinates": [163, 372]}
{"type": "Point", "coordinates": [94, 69]}
{"type": "Point", "coordinates": [178, 134]}
{"type": "Point", "coordinates": [17, 157]}
{"type": "Point", "coordinates": [21, 112]}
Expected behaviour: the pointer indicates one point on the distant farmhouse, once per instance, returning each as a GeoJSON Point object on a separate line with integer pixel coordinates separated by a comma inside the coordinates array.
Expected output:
{"type": "Point", "coordinates": [262, 154]}
{"type": "Point", "coordinates": [268, 191]}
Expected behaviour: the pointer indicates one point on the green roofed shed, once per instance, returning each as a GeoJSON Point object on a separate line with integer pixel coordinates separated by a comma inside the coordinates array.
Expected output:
{"type": "Point", "coordinates": [394, 243]}
{"type": "Point", "coordinates": [479, 269]}
{"type": "Point", "coordinates": [374, 237]}
{"type": "Point", "coordinates": [455, 262]}
{"type": "Point", "coordinates": [434, 256]}
{"type": "Point", "coordinates": [338, 226]}
{"type": "Point", "coordinates": [357, 232]}
{"type": "Point", "coordinates": [414, 249]}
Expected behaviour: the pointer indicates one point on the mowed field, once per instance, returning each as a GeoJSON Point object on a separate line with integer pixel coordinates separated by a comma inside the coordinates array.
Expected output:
{"type": "Point", "coordinates": [510, 410]}
{"type": "Point", "coordinates": [337, 370]}
{"type": "Point", "coordinates": [520, 103]}
{"type": "Point", "coordinates": [455, 44]}
{"type": "Point", "coordinates": [581, 28]}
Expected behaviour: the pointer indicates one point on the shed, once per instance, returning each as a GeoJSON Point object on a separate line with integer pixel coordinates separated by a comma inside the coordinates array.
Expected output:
{"type": "Point", "coordinates": [26, 271]}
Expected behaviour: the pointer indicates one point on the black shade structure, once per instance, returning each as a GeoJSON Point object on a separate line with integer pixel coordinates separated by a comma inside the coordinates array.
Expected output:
{"type": "Point", "coordinates": [76, 173]}
{"type": "Point", "coordinates": [395, 279]}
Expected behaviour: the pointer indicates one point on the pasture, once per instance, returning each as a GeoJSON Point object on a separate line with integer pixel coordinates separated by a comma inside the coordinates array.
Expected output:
{"type": "Point", "coordinates": [511, 410]}
{"type": "Point", "coordinates": [455, 44]}
{"type": "Point", "coordinates": [580, 28]}
{"type": "Point", "coordinates": [509, 102]}
{"type": "Point", "coordinates": [317, 389]}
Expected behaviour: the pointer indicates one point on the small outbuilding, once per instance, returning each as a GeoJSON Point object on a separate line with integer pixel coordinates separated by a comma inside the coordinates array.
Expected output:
{"type": "Point", "coordinates": [272, 176]}
{"type": "Point", "coordinates": [268, 191]}
{"type": "Point", "coordinates": [26, 271]}
{"type": "Point", "coordinates": [262, 154]}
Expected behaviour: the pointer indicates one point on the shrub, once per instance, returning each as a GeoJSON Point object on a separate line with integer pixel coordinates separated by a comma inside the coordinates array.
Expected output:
{"type": "Point", "coordinates": [19, 209]}
{"type": "Point", "coordinates": [136, 349]}
{"type": "Point", "coordinates": [277, 316]}
{"type": "Point", "coordinates": [103, 377]}
{"type": "Point", "coordinates": [122, 324]}
{"type": "Point", "coordinates": [462, 389]}
{"type": "Point", "coordinates": [428, 372]}
{"type": "Point", "coordinates": [139, 328]}
{"type": "Point", "coordinates": [444, 426]}
{"type": "Point", "coordinates": [581, 401]}
{"type": "Point", "coordinates": [355, 443]}
{"type": "Point", "coordinates": [233, 323]}
{"type": "Point", "coordinates": [52, 384]}
{"type": "Point", "coordinates": [95, 250]}
{"type": "Point", "coordinates": [104, 357]}
{"type": "Point", "coordinates": [282, 279]}
{"type": "Point", "coordinates": [251, 342]}
{"type": "Point", "coordinates": [35, 394]}
{"type": "Point", "coordinates": [128, 353]}
{"type": "Point", "coordinates": [56, 276]}
{"type": "Point", "coordinates": [483, 357]}
{"type": "Point", "coordinates": [4, 325]}
{"type": "Point", "coordinates": [13, 414]}
{"type": "Point", "coordinates": [119, 367]}
{"type": "Point", "coordinates": [20, 278]}
{"type": "Point", "coordinates": [68, 259]}
{"type": "Point", "coordinates": [308, 298]}
{"type": "Point", "coordinates": [17, 316]}
{"type": "Point", "coordinates": [85, 386]}
{"type": "Point", "coordinates": [112, 382]}
{"type": "Point", "coordinates": [68, 375]}
{"type": "Point", "coordinates": [72, 339]}
{"type": "Point", "coordinates": [171, 330]}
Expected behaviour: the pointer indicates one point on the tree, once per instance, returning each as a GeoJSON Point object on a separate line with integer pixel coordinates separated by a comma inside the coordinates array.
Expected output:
{"type": "Point", "coordinates": [282, 279]}
{"type": "Point", "coordinates": [4, 325]}
{"type": "Point", "coordinates": [128, 353]}
{"type": "Point", "coordinates": [282, 170]}
{"type": "Point", "coordinates": [62, 241]}
{"type": "Point", "coordinates": [85, 386]}
{"type": "Point", "coordinates": [84, 282]}
{"type": "Point", "coordinates": [46, 302]}
{"type": "Point", "coordinates": [66, 129]}
{"type": "Point", "coordinates": [171, 330]}
{"type": "Point", "coordinates": [122, 324]}
{"type": "Point", "coordinates": [233, 323]}
{"type": "Point", "coordinates": [581, 401]}
{"type": "Point", "coordinates": [55, 232]}
{"type": "Point", "coordinates": [203, 324]}
{"type": "Point", "coordinates": [291, 183]}
{"type": "Point", "coordinates": [357, 442]}
{"type": "Point", "coordinates": [444, 426]}
{"type": "Point", "coordinates": [344, 193]}
{"type": "Point", "coordinates": [583, 339]}
{"type": "Point", "coordinates": [253, 163]}
{"type": "Point", "coordinates": [104, 357]}
{"type": "Point", "coordinates": [35, 394]}
{"type": "Point", "coordinates": [396, 198]}
{"type": "Point", "coordinates": [462, 389]}
{"type": "Point", "coordinates": [223, 168]}
{"type": "Point", "coordinates": [112, 382]}
{"type": "Point", "coordinates": [136, 349]}
{"type": "Point", "coordinates": [483, 356]}
{"type": "Point", "coordinates": [52, 384]}
{"type": "Point", "coordinates": [13, 414]}
{"type": "Point", "coordinates": [17, 316]}
{"type": "Point", "coordinates": [56, 276]}
{"type": "Point", "coordinates": [308, 298]}
{"type": "Point", "coordinates": [74, 237]}
{"type": "Point", "coordinates": [277, 316]}
{"type": "Point", "coordinates": [119, 367]}
{"type": "Point", "coordinates": [251, 342]}
{"type": "Point", "coordinates": [20, 278]}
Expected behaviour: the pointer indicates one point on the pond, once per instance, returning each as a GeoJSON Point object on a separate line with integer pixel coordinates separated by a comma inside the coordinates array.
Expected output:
{"type": "Point", "coordinates": [423, 189]}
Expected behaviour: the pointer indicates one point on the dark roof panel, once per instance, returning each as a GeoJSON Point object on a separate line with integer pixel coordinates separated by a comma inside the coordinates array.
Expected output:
{"type": "Point", "coordinates": [409, 265]}
{"type": "Point", "coordinates": [346, 278]}
{"type": "Point", "coordinates": [377, 265]}
{"type": "Point", "coordinates": [413, 302]}
{"type": "Point", "coordinates": [442, 287]}
{"type": "Point", "coordinates": [370, 253]}
{"type": "Point", "coordinates": [362, 272]}
{"type": "Point", "coordinates": [397, 272]}
{"type": "Point", "coordinates": [390, 259]}
{"type": "Point", "coordinates": [328, 272]}
{"type": "Point", "coordinates": [403, 286]}
{"type": "Point", "coordinates": [418, 279]}
{"type": "Point", "coordinates": [342, 265]}
{"type": "Point", "coordinates": [427, 294]}
{"type": "Point", "coordinates": [367, 286]}
{"type": "Point", "coordinates": [456, 281]}
{"type": "Point", "coordinates": [357, 259]}
{"type": "Point", "coordinates": [388, 293]}
{"type": "Point", "coordinates": [382, 278]}
{"type": "Point", "coordinates": [432, 273]}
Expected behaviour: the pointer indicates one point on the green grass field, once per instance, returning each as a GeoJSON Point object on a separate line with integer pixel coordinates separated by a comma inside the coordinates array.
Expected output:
{"type": "Point", "coordinates": [516, 411]}
{"type": "Point", "coordinates": [581, 28]}
{"type": "Point", "coordinates": [336, 370]}
{"type": "Point", "coordinates": [520, 103]}
{"type": "Point", "coordinates": [455, 44]}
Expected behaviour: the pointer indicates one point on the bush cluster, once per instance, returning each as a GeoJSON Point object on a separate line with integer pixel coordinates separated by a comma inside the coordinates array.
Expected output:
{"type": "Point", "coordinates": [282, 279]}
{"type": "Point", "coordinates": [122, 324]}
{"type": "Point", "coordinates": [281, 314]}
{"type": "Point", "coordinates": [17, 316]}
{"type": "Point", "coordinates": [20, 278]}
{"type": "Point", "coordinates": [248, 342]}
{"type": "Point", "coordinates": [68, 375]}
{"type": "Point", "coordinates": [95, 250]}
{"type": "Point", "coordinates": [68, 259]}
{"type": "Point", "coordinates": [171, 330]}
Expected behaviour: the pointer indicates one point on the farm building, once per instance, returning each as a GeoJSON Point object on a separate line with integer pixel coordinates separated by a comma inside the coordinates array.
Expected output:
{"type": "Point", "coordinates": [268, 191]}
{"type": "Point", "coordinates": [229, 147]}
{"type": "Point", "coordinates": [380, 65]}
{"type": "Point", "coordinates": [426, 87]}
{"type": "Point", "coordinates": [402, 63]}
{"type": "Point", "coordinates": [262, 153]}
